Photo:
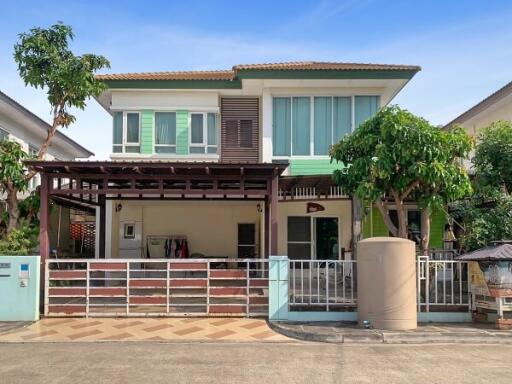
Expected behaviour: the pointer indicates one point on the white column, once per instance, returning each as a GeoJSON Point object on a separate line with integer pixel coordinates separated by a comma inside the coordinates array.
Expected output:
{"type": "Point", "coordinates": [266, 126]}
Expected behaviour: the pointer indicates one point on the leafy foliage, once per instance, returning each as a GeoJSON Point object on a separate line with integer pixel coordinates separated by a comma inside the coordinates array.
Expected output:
{"type": "Point", "coordinates": [12, 171]}
{"type": "Point", "coordinates": [487, 215]}
{"type": "Point", "coordinates": [45, 61]}
{"type": "Point", "coordinates": [19, 242]}
{"type": "Point", "coordinates": [493, 157]}
{"type": "Point", "coordinates": [401, 156]}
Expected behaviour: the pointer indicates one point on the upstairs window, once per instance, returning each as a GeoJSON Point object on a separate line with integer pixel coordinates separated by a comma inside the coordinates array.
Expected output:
{"type": "Point", "coordinates": [203, 133]}
{"type": "Point", "coordinates": [33, 151]}
{"type": "Point", "coordinates": [4, 135]}
{"type": "Point", "coordinates": [165, 132]}
{"type": "Point", "coordinates": [126, 132]}
{"type": "Point", "coordinates": [310, 125]}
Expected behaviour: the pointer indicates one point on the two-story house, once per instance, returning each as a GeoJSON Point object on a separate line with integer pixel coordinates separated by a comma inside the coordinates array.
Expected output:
{"type": "Point", "coordinates": [228, 163]}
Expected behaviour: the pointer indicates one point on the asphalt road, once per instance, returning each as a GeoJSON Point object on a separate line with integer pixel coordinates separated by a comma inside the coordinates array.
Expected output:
{"type": "Point", "coordinates": [153, 363]}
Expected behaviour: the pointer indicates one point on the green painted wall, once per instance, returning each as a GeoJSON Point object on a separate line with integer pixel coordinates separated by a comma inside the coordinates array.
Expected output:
{"type": "Point", "coordinates": [146, 132]}
{"type": "Point", "coordinates": [373, 226]}
{"type": "Point", "coordinates": [437, 229]}
{"type": "Point", "coordinates": [182, 132]}
{"type": "Point", "coordinates": [312, 167]}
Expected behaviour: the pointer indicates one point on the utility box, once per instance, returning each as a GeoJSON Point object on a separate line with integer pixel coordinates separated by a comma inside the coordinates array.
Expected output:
{"type": "Point", "coordinates": [19, 288]}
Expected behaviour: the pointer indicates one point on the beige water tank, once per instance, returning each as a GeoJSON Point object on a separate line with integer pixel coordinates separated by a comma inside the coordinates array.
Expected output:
{"type": "Point", "coordinates": [386, 283]}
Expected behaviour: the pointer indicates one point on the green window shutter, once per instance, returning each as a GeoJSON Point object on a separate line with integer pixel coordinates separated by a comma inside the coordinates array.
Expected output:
{"type": "Point", "coordinates": [438, 221]}
{"type": "Point", "coordinates": [117, 139]}
{"type": "Point", "coordinates": [182, 132]}
{"type": "Point", "coordinates": [301, 125]}
{"type": "Point", "coordinates": [146, 128]}
{"type": "Point", "coordinates": [322, 125]}
{"type": "Point", "coordinates": [281, 126]}
{"type": "Point", "coordinates": [365, 107]}
{"type": "Point", "coordinates": [342, 116]}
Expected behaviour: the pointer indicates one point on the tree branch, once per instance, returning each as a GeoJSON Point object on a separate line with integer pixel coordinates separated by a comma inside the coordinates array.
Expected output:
{"type": "Point", "coordinates": [385, 216]}
{"type": "Point", "coordinates": [409, 189]}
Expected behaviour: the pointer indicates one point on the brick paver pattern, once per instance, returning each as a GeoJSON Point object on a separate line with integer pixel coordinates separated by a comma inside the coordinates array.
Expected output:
{"type": "Point", "coordinates": [159, 329]}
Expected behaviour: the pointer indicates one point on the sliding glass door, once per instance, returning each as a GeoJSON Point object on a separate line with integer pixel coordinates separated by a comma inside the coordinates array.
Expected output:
{"type": "Point", "coordinates": [313, 238]}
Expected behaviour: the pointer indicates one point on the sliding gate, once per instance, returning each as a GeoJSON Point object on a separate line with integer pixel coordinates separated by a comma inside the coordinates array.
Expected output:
{"type": "Point", "coordinates": [145, 287]}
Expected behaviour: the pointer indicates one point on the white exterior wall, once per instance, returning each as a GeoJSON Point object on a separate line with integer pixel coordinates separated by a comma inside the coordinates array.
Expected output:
{"type": "Point", "coordinates": [125, 100]}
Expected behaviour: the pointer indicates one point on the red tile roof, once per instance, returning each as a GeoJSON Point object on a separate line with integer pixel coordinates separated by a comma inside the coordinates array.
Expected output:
{"type": "Point", "coordinates": [231, 74]}
{"type": "Point", "coordinates": [319, 66]}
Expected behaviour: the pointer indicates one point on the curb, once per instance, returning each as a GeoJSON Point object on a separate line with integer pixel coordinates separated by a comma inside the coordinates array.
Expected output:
{"type": "Point", "coordinates": [384, 337]}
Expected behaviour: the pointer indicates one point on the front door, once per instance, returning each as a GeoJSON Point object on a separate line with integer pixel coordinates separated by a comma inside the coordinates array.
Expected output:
{"type": "Point", "coordinates": [326, 238]}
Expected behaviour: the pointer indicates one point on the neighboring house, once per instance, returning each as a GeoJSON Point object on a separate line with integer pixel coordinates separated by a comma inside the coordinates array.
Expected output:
{"type": "Point", "coordinates": [235, 162]}
{"type": "Point", "coordinates": [19, 124]}
{"type": "Point", "coordinates": [497, 106]}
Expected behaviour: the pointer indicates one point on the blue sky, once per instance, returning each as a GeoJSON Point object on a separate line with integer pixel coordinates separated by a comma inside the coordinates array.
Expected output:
{"type": "Point", "coordinates": [464, 47]}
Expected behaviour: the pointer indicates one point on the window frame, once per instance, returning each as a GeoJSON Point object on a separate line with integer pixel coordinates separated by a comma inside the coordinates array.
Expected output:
{"type": "Point", "coordinates": [4, 134]}
{"type": "Point", "coordinates": [312, 232]}
{"type": "Point", "coordinates": [255, 246]}
{"type": "Point", "coordinates": [155, 145]}
{"type": "Point", "coordinates": [311, 97]}
{"type": "Point", "coordinates": [204, 144]}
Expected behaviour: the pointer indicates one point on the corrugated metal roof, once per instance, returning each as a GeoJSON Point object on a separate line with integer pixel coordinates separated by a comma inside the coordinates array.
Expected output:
{"type": "Point", "coordinates": [501, 252]}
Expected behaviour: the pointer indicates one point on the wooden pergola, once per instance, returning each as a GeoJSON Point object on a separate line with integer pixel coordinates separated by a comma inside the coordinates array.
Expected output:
{"type": "Point", "coordinates": [92, 183]}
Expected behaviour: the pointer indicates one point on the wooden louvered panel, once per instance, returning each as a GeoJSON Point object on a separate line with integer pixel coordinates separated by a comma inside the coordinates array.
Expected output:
{"type": "Point", "coordinates": [240, 129]}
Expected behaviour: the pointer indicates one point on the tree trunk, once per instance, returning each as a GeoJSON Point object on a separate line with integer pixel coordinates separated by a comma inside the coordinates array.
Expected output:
{"type": "Point", "coordinates": [385, 216]}
{"type": "Point", "coordinates": [402, 219]}
{"type": "Point", "coordinates": [425, 231]}
{"type": "Point", "coordinates": [357, 223]}
{"type": "Point", "coordinates": [12, 209]}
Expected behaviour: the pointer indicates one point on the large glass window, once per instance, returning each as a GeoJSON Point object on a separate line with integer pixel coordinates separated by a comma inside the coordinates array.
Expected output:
{"type": "Point", "coordinates": [203, 133]}
{"type": "Point", "coordinates": [309, 125]}
{"type": "Point", "coordinates": [165, 132]}
{"type": "Point", "coordinates": [126, 132]}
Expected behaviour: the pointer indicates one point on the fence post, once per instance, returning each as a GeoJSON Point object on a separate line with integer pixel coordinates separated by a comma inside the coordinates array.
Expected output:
{"type": "Point", "coordinates": [278, 306]}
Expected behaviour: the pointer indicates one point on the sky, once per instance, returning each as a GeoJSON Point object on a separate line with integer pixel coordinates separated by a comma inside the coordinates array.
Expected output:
{"type": "Point", "coordinates": [463, 47]}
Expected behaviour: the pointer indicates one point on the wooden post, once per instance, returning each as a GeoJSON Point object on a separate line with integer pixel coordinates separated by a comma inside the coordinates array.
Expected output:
{"type": "Point", "coordinates": [267, 227]}
{"type": "Point", "coordinates": [44, 238]}
{"type": "Point", "coordinates": [101, 230]}
{"type": "Point", "coordinates": [273, 215]}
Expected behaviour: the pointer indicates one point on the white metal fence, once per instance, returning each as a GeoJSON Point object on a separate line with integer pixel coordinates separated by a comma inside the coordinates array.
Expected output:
{"type": "Point", "coordinates": [442, 285]}
{"type": "Point", "coordinates": [322, 285]}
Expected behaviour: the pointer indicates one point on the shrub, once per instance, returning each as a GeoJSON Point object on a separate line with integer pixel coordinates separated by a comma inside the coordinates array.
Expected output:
{"type": "Point", "coordinates": [19, 242]}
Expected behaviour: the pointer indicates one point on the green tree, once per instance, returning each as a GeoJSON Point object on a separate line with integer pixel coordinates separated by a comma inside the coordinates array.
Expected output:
{"type": "Point", "coordinates": [13, 178]}
{"type": "Point", "coordinates": [487, 215]}
{"type": "Point", "coordinates": [396, 156]}
{"type": "Point", "coordinates": [46, 61]}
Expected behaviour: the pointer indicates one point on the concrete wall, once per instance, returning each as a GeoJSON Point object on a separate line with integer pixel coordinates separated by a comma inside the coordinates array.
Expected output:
{"type": "Point", "coordinates": [334, 208]}
{"type": "Point", "coordinates": [210, 227]}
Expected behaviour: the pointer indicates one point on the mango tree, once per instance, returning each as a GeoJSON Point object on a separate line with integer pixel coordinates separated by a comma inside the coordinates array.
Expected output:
{"type": "Point", "coordinates": [396, 157]}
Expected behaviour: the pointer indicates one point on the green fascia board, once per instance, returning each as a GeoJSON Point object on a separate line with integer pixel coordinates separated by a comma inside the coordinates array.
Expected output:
{"type": "Point", "coordinates": [174, 84]}
{"type": "Point", "coordinates": [324, 74]}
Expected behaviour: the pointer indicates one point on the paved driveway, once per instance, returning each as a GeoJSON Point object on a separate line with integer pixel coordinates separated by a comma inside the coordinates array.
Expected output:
{"type": "Point", "coordinates": [145, 329]}
{"type": "Point", "coordinates": [155, 363]}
